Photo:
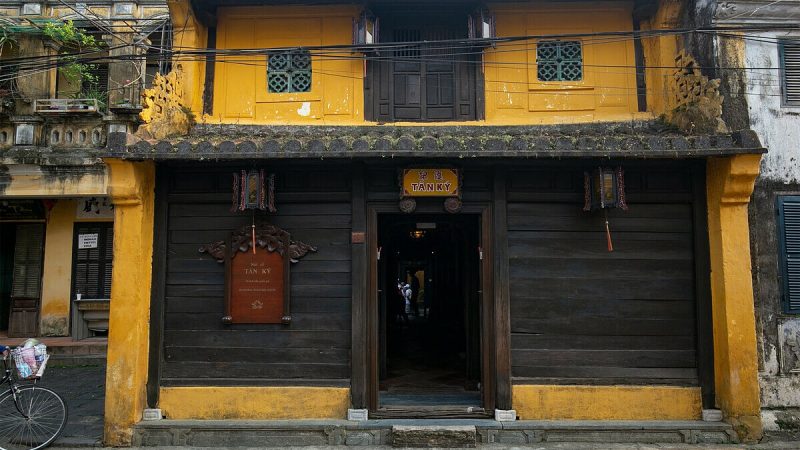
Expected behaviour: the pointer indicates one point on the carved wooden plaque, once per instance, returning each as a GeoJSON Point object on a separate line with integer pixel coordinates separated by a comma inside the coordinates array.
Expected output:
{"type": "Point", "coordinates": [257, 287]}
{"type": "Point", "coordinates": [257, 260]}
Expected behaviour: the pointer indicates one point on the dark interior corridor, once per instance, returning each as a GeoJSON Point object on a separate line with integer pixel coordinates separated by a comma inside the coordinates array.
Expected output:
{"type": "Point", "coordinates": [430, 343]}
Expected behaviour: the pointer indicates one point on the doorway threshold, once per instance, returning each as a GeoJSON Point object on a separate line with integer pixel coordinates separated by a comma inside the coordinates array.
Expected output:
{"type": "Point", "coordinates": [430, 412]}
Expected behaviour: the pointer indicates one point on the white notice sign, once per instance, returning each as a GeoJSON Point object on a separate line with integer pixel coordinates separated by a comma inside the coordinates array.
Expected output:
{"type": "Point", "coordinates": [87, 240]}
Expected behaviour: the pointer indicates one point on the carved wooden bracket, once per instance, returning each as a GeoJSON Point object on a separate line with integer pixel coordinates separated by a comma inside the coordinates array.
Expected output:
{"type": "Point", "coordinates": [268, 237]}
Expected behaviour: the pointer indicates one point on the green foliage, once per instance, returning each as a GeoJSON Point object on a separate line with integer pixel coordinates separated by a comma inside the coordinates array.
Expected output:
{"type": "Point", "coordinates": [72, 40]}
{"type": "Point", "coordinates": [6, 37]}
{"type": "Point", "coordinates": [70, 37]}
{"type": "Point", "coordinates": [92, 91]}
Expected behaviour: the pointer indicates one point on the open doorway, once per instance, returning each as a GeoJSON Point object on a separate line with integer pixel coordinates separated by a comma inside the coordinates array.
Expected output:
{"type": "Point", "coordinates": [429, 281]}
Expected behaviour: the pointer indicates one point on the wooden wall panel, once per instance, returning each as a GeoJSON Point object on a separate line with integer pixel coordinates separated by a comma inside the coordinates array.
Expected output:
{"type": "Point", "coordinates": [198, 349]}
{"type": "Point", "coordinates": [582, 314]}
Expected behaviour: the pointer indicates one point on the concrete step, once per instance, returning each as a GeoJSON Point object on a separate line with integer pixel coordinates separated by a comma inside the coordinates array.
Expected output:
{"type": "Point", "coordinates": [434, 436]}
{"type": "Point", "coordinates": [266, 433]}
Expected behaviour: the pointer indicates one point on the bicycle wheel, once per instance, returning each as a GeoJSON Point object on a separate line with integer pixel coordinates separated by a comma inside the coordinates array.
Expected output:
{"type": "Point", "coordinates": [34, 421]}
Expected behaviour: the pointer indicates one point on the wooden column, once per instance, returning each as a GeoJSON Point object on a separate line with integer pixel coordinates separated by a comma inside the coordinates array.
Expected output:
{"type": "Point", "coordinates": [158, 290]}
{"type": "Point", "coordinates": [360, 265]}
{"type": "Point", "coordinates": [502, 316]}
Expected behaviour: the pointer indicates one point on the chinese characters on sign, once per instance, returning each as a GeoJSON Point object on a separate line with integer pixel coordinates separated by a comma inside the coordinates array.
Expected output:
{"type": "Point", "coordinates": [430, 183]}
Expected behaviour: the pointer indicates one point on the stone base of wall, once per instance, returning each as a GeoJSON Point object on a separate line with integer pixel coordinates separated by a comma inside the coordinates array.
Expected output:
{"type": "Point", "coordinates": [260, 433]}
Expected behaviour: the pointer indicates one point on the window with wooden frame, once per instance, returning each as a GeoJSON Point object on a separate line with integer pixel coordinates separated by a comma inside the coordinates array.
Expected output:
{"type": "Point", "coordinates": [789, 251]}
{"type": "Point", "coordinates": [424, 77]}
{"type": "Point", "coordinates": [790, 72]}
{"type": "Point", "coordinates": [92, 260]}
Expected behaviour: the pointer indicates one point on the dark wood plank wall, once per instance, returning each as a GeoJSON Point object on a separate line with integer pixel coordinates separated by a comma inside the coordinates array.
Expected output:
{"type": "Point", "coordinates": [314, 206]}
{"type": "Point", "coordinates": [580, 314]}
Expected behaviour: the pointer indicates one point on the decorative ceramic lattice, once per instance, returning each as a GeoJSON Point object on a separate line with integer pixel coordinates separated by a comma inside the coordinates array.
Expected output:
{"type": "Point", "coordinates": [559, 60]}
{"type": "Point", "coordinates": [689, 83]}
{"type": "Point", "coordinates": [166, 93]}
{"type": "Point", "coordinates": [289, 71]}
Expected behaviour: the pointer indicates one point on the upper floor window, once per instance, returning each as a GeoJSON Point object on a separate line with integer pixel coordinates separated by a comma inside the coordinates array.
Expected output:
{"type": "Point", "coordinates": [289, 71]}
{"type": "Point", "coordinates": [790, 72]}
{"type": "Point", "coordinates": [559, 60]}
{"type": "Point", "coordinates": [789, 254]}
{"type": "Point", "coordinates": [425, 76]}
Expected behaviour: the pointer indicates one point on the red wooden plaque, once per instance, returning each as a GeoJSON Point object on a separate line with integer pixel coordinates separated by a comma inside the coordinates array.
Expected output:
{"type": "Point", "coordinates": [256, 287]}
{"type": "Point", "coordinates": [257, 283]}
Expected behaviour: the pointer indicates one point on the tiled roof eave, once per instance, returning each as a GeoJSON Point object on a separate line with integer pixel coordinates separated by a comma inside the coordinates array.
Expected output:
{"type": "Point", "coordinates": [432, 142]}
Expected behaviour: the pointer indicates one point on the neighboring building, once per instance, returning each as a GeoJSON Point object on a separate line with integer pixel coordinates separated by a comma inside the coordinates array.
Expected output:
{"type": "Point", "coordinates": [771, 88]}
{"type": "Point", "coordinates": [57, 103]}
{"type": "Point", "coordinates": [508, 111]}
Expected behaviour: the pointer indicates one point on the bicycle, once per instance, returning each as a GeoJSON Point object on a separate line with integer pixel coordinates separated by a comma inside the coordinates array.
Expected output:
{"type": "Point", "coordinates": [31, 417]}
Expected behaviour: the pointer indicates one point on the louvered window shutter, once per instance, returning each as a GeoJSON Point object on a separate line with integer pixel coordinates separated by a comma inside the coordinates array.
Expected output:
{"type": "Point", "coordinates": [789, 237]}
{"type": "Point", "coordinates": [28, 247]}
{"type": "Point", "coordinates": [92, 266]}
{"type": "Point", "coordinates": [790, 72]}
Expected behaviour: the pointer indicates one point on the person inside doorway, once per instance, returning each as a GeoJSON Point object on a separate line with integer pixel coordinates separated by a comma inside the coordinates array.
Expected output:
{"type": "Point", "coordinates": [414, 292]}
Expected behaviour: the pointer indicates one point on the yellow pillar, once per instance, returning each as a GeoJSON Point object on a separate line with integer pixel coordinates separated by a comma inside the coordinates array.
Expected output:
{"type": "Point", "coordinates": [131, 188]}
{"type": "Point", "coordinates": [730, 184]}
{"type": "Point", "coordinates": [189, 34]}
{"type": "Point", "coordinates": [57, 273]}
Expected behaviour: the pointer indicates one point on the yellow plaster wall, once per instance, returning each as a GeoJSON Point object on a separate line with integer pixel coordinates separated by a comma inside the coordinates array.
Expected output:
{"type": "Point", "coordinates": [659, 55]}
{"type": "Point", "coordinates": [57, 275]}
{"type": "Point", "coordinates": [513, 92]}
{"type": "Point", "coordinates": [730, 183]}
{"type": "Point", "coordinates": [253, 402]}
{"type": "Point", "coordinates": [189, 34]}
{"type": "Point", "coordinates": [131, 189]}
{"type": "Point", "coordinates": [54, 316]}
{"type": "Point", "coordinates": [559, 402]}
{"type": "Point", "coordinates": [31, 181]}
{"type": "Point", "coordinates": [240, 92]}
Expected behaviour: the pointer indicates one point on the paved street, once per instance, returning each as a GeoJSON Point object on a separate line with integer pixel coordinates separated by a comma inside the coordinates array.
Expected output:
{"type": "Point", "coordinates": [552, 446]}
{"type": "Point", "coordinates": [83, 390]}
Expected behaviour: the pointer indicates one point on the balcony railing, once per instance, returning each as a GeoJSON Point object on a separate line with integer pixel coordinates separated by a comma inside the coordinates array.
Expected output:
{"type": "Point", "coordinates": [66, 105]}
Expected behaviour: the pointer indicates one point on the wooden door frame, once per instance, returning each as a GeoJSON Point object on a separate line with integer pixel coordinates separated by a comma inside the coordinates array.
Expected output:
{"type": "Point", "coordinates": [489, 374]}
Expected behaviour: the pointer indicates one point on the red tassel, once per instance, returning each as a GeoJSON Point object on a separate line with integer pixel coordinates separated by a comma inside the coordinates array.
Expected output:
{"type": "Point", "coordinates": [253, 227]}
{"type": "Point", "coordinates": [608, 233]}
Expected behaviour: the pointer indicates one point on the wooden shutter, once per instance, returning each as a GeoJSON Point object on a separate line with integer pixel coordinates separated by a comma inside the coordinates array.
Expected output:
{"type": "Point", "coordinates": [422, 82]}
{"type": "Point", "coordinates": [92, 267]}
{"type": "Point", "coordinates": [28, 261]}
{"type": "Point", "coordinates": [790, 69]}
{"type": "Point", "coordinates": [789, 237]}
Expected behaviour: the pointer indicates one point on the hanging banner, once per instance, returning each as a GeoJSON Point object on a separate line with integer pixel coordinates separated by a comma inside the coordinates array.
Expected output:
{"type": "Point", "coordinates": [431, 183]}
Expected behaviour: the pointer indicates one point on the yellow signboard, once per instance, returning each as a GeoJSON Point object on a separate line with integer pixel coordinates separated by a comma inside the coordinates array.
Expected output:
{"type": "Point", "coordinates": [430, 183]}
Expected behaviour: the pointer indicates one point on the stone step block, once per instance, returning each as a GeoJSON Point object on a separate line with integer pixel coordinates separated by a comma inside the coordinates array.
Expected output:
{"type": "Point", "coordinates": [433, 436]}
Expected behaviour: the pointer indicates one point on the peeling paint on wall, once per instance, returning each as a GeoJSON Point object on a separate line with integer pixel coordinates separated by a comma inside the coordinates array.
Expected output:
{"type": "Point", "coordinates": [778, 126]}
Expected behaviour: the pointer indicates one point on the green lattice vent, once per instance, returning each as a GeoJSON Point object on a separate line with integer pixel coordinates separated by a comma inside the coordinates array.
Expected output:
{"type": "Point", "coordinates": [289, 71]}
{"type": "Point", "coordinates": [559, 60]}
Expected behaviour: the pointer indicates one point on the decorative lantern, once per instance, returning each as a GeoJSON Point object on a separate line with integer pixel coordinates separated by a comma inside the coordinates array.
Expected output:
{"type": "Point", "coordinates": [253, 190]}
{"type": "Point", "coordinates": [365, 29]}
{"type": "Point", "coordinates": [604, 188]}
{"type": "Point", "coordinates": [481, 24]}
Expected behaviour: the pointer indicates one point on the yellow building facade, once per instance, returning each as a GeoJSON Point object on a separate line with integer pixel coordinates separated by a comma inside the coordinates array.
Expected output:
{"type": "Point", "coordinates": [632, 71]}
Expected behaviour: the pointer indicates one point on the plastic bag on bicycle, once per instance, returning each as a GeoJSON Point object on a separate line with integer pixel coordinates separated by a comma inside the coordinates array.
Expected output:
{"type": "Point", "coordinates": [30, 361]}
